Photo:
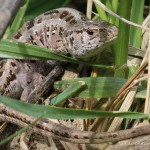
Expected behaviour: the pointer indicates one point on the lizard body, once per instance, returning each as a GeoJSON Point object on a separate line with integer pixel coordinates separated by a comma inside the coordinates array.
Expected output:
{"type": "Point", "coordinates": [68, 31]}
{"type": "Point", "coordinates": [64, 30]}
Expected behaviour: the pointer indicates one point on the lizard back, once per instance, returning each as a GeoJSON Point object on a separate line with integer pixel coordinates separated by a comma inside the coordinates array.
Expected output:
{"type": "Point", "coordinates": [68, 31]}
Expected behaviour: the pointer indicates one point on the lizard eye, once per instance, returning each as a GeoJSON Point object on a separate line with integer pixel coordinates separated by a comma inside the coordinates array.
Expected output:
{"type": "Point", "coordinates": [90, 32]}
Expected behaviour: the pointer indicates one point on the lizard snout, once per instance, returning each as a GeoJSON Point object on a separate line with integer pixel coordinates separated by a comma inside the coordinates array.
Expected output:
{"type": "Point", "coordinates": [114, 30]}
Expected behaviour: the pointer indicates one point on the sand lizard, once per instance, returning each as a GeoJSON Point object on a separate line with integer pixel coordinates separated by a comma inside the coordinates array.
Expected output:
{"type": "Point", "coordinates": [69, 32]}
{"type": "Point", "coordinates": [64, 30]}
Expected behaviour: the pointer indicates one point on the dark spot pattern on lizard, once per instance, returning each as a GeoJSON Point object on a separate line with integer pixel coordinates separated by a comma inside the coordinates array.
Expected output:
{"type": "Point", "coordinates": [18, 35]}
{"type": "Point", "coordinates": [133, 132]}
{"type": "Point", "coordinates": [61, 30]}
{"type": "Point", "coordinates": [63, 14]}
{"type": "Point", "coordinates": [71, 42]}
{"type": "Point", "coordinates": [63, 134]}
{"type": "Point", "coordinates": [32, 40]}
{"type": "Point", "coordinates": [73, 21]}
{"type": "Point", "coordinates": [76, 136]}
{"type": "Point", "coordinates": [39, 20]}
{"type": "Point", "coordinates": [69, 18]}
{"type": "Point", "coordinates": [42, 40]}
{"type": "Point", "coordinates": [113, 135]}
{"type": "Point", "coordinates": [79, 31]}
{"type": "Point", "coordinates": [30, 24]}
{"type": "Point", "coordinates": [10, 78]}
{"type": "Point", "coordinates": [13, 64]}
{"type": "Point", "coordinates": [2, 64]}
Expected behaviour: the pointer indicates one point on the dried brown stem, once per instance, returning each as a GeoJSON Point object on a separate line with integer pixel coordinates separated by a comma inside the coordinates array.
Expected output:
{"type": "Point", "coordinates": [135, 75]}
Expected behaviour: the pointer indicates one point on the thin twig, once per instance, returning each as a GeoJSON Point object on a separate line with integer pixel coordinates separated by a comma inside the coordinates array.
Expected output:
{"type": "Point", "coordinates": [147, 101]}
{"type": "Point", "coordinates": [89, 9]}
{"type": "Point", "coordinates": [117, 16]}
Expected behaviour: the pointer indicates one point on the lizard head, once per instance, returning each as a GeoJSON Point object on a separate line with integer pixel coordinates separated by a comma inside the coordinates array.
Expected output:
{"type": "Point", "coordinates": [87, 39]}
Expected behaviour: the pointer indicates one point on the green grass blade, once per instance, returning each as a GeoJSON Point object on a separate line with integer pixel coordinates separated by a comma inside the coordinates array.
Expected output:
{"type": "Point", "coordinates": [67, 93]}
{"type": "Point", "coordinates": [95, 87]}
{"type": "Point", "coordinates": [98, 87]}
{"type": "Point", "coordinates": [115, 5]}
{"type": "Point", "coordinates": [141, 94]}
{"type": "Point", "coordinates": [16, 50]}
{"type": "Point", "coordinates": [136, 17]}
{"type": "Point", "coordinates": [66, 2]}
{"type": "Point", "coordinates": [110, 6]}
{"type": "Point", "coordinates": [101, 12]}
{"type": "Point", "coordinates": [17, 21]}
{"type": "Point", "coordinates": [121, 48]}
{"type": "Point", "coordinates": [62, 113]}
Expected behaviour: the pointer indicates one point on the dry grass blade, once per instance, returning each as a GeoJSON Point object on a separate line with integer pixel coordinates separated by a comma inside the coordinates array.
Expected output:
{"type": "Point", "coordinates": [89, 8]}
{"type": "Point", "coordinates": [117, 16]}
{"type": "Point", "coordinates": [124, 107]}
{"type": "Point", "coordinates": [147, 101]}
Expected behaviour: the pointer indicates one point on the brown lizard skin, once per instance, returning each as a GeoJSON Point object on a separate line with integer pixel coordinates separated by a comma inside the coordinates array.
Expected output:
{"type": "Point", "coordinates": [64, 30]}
